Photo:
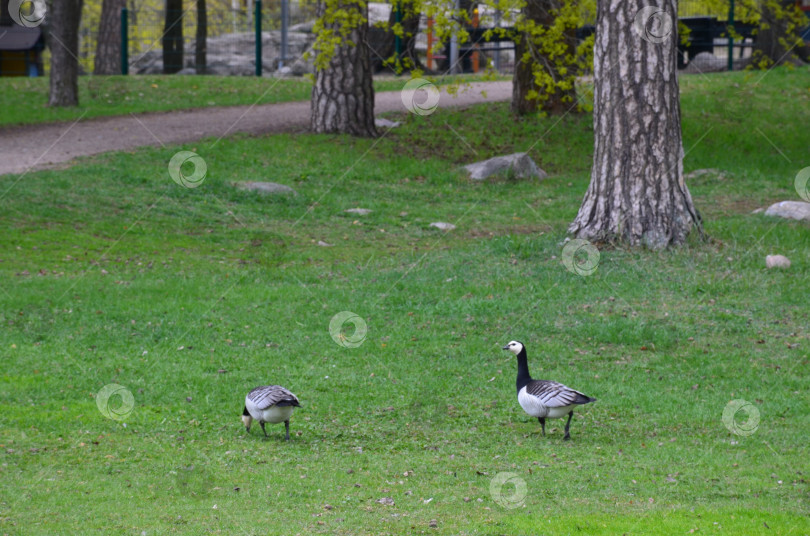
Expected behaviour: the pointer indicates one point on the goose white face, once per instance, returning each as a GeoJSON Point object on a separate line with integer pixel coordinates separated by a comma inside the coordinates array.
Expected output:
{"type": "Point", "coordinates": [514, 346]}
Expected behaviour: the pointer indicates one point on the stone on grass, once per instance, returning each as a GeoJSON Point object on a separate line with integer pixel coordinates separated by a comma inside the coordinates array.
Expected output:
{"type": "Point", "coordinates": [517, 165]}
{"type": "Point", "coordinates": [706, 62]}
{"type": "Point", "coordinates": [381, 122]}
{"type": "Point", "coordinates": [360, 211]}
{"type": "Point", "coordinates": [443, 226]}
{"type": "Point", "coordinates": [777, 261]}
{"type": "Point", "coordinates": [324, 244]}
{"type": "Point", "coordinates": [701, 172]}
{"type": "Point", "coordinates": [795, 210]}
{"type": "Point", "coordinates": [265, 187]}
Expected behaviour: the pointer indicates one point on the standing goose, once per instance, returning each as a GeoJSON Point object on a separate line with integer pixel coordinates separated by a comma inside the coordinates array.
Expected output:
{"type": "Point", "coordinates": [543, 398]}
{"type": "Point", "coordinates": [269, 403]}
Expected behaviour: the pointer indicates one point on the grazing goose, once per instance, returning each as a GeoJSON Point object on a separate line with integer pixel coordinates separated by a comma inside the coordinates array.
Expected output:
{"type": "Point", "coordinates": [269, 403]}
{"type": "Point", "coordinates": [543, 398]}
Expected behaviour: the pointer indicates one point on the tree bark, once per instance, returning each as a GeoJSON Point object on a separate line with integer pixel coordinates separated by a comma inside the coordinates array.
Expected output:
{"type": "Point", "coordinates": [637, 192]}
{"type": "Point", "coordinates": [64, 42]}
{"type": "Point", "coordinates": [108, 47]}
{"type": "Point", "coordinates": [173, 37]}
{"type": "Point", "coordinates": [201, 42]}
{"type": "Point", "coordinates": [343, 96]}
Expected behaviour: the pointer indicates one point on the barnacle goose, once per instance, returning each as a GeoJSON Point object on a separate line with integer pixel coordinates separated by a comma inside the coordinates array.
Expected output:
{"type": "Point", "coordinates": [543, 398]}
{"type": "Point", "coordinates": [269, 403]}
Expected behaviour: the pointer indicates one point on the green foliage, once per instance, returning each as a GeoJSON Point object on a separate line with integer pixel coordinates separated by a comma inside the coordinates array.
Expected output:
{"type": "Point", "coordinates": [335, 27]}
{"type": "Point", "coordinates": [555, 61]}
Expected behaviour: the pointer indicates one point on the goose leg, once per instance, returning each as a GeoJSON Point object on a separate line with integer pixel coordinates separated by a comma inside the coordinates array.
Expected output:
{"type": "Point", "coordinates": [568, 425]}
{"type": "Point", "coordinates": [263, 430]}
{"type": "Point", "coordinates": [542, 424]}
{"type": "Point", "coordinates": [287, 426]}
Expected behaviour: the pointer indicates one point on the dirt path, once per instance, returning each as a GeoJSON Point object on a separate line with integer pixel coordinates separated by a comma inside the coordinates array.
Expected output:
{"type": "Point", "coordinates": [40, 146]}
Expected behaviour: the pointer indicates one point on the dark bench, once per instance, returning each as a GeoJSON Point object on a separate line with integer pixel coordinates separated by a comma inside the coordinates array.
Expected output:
{"type": "Point", "coordinates": [702, 33]}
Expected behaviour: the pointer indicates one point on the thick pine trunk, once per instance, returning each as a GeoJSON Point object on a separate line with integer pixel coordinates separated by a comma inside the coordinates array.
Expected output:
{"type": "Point", "coordinates": [637, 192]}
{"type": "Point", "coordinates": [540, 11]}
{"type": "Point", "coordinates": [201, 43]}
{"type": "Point", "coordinates": [64, 43]}
{"type": "Point", "coordinates": [343, 97]}
{"type": "Point", "coordinates": [108, 47]}
{"type": "Point", "coordinates": [173, 37]}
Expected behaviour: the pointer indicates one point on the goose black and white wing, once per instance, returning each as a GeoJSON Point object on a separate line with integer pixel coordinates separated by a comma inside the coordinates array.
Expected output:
{"type": "Point", "coordinates": [267, 396]}
{"type": "Point", "coordinates": [555, 395]}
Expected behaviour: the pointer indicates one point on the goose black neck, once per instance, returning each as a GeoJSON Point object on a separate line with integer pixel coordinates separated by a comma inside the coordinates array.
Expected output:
{"type": "Point", "coordinates": [523, 376]}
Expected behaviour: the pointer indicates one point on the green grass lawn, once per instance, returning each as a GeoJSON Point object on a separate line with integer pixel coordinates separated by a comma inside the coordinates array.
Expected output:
{"type": "Point", "coordinates": [25, 100]}
{"type": "Point", "coordinates": [112, 273]}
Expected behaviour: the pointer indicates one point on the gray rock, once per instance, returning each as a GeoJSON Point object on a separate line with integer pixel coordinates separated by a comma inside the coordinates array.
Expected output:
{"type": "Point", "coordinates": [702, 172]}
{"type": "Point", "coordinates": [706, 62]}
{"type": "Point", "coordinates": [381, 122]}
{"type": "Point", "coordinates": [324, 244]}
{"type": "Point", "coordinates": [303, 64]}
{"type": "Point", "coordinates": [758, 211]}
{"type": "Point", "coordinates": [795, 210]}
{"type": "Point", "coordinates": [265, 187]}
{"type": "Point", "coordinates": [517, 165]}
{"type": "Point", "coordinates": [305, 27]}
{"type": "Point", "coordinates": [777, 261]}
{"type": "Point", "coordinates": [187, 70]}
{"type": "Point", "coordinates": [443, 226]}
{"type": "Point", "coordinates": [232, 54]}
{"type": "Point", "coordinates": [361, 211]}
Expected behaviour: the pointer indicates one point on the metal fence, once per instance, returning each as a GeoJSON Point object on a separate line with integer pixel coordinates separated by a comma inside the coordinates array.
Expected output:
{"type": "Point", "coordinates": [232, 25]}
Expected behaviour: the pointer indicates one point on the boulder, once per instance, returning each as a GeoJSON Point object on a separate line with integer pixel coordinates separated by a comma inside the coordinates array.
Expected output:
{"type": "Point", "coordinates": [443, 226]}
{"type": "Point", "coordinates": [517, 165]}
{"type": "Point", "coordinates": [265, 187]}
{"type": "Point", "coordinates": [233, 54]}
{"type": "Point", "coordinates": [706, 62]}
{"type": "Point", "coordinates": [795, 210]}
{"type": "Point", "coordinates": [381, 122]}
{"type": "Point", "coordinates": [303, 27]}
{"type": "Point", "coordinates": [707, 172]}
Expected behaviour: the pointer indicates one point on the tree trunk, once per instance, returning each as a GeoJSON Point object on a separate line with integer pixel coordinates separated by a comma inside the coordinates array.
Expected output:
{"type": "Point", "coordinates": [637, 192]}
{"type": "Point", "coordinates": [64, 42]}
{"type": "Point", "coordinates": [108, 47]}
{"type": "Point", "coordinates": [773, 34]}
{"type": "Point", "coordinates": [201, 45]}
{"type": "Point", "coordinates": [381, 41]}
{"type": "Point", "coordinates": [173, 37]}
{"type": "Point", "coordinates": [343, 97]}
{"type": "Point", "coordinates": [523, 81]}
